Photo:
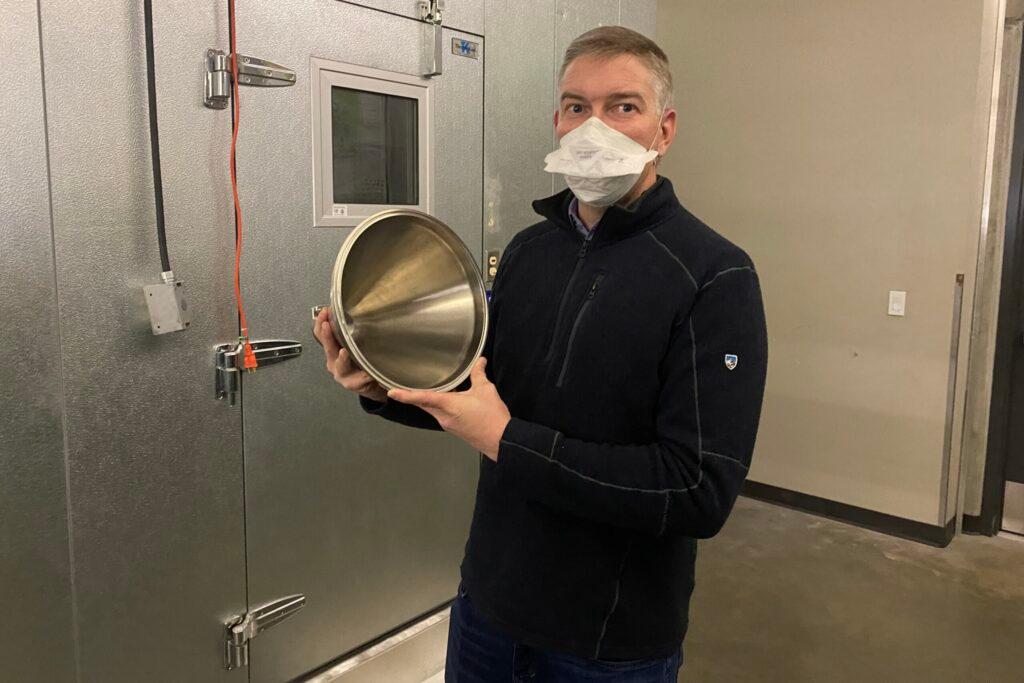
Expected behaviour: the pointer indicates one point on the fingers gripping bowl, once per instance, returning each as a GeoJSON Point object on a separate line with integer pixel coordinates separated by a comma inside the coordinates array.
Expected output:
{"type": "Point", "coordinates": [408, 301]}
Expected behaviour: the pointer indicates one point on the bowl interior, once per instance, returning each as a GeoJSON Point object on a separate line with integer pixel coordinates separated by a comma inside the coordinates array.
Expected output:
{"type": "Point", "coordinates": [412, 301]}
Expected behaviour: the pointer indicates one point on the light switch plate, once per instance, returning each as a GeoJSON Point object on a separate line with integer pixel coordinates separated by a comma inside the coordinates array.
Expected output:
{"type": "Point", "coordinates": [897, 303]}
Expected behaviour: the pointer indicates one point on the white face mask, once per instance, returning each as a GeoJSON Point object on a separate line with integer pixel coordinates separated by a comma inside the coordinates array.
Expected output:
{"type": "Point", "coordinates": [599, 163]}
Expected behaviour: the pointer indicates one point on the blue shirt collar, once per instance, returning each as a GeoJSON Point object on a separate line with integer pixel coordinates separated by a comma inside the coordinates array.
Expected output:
{"type": "Point", "coordinates": [577, 222]}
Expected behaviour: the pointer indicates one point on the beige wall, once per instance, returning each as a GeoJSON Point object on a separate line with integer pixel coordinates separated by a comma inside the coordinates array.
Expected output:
{"type": "Point", "coordinates": [843, 144]}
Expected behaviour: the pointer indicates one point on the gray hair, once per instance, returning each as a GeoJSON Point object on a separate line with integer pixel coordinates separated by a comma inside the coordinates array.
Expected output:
{"type": "Point", "coordinates": [611, 41]}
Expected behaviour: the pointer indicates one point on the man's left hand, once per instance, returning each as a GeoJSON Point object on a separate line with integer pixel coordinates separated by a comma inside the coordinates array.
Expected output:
{"type": "Point", "coordinates": [478, 416]}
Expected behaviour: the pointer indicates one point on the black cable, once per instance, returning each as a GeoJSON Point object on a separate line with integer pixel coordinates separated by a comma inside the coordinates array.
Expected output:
{"type": "Point", "coordinates": [154, 140]}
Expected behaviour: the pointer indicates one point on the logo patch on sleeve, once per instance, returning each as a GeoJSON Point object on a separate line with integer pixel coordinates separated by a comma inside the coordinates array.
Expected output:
{"type": "Point", "coordinates": [731, 361]}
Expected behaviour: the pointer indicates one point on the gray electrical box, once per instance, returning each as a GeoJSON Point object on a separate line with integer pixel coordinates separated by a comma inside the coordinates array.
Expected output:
{"type": "Point", "coordinates": [168, 310]}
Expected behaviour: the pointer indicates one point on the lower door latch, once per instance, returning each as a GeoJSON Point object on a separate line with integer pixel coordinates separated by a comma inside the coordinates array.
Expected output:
{"type": "Point", "coordinates": [246, 627]}
{"type": "Point", "coordinates": [228, 362]}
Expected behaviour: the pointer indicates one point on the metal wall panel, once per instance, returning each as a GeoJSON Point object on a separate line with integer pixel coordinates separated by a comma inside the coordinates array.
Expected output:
{"type": "Point", "coordinates": [518, 131]}
{"type": "Point", "coordinates": [367, 518]}
{"type": "Point", "coordinates": [521, 99]}
{"type": "Point", "coordinates": [155, 463]}
{"type": "Point", "coordinates": [36, 634]}
{"type": "Point", "coordinates": [572, 18]}
{"type": "Point", "coordinates": [458, 15]}
{"type": "Point", "coordinates": [639, 15]}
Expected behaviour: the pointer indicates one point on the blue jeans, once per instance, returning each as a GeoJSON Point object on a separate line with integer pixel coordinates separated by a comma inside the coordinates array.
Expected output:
{"type": "Point", "coordinates": [480, 653]}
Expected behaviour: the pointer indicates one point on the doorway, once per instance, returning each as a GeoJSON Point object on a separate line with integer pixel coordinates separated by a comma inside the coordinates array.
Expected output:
{"type": "Point", "coordinates": [1003, 496]}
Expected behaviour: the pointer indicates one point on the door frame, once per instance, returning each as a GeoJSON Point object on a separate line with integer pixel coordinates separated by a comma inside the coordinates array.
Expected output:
{"type": "Point", "coordinates": [391, 554]}
{"type": "Point", "coordinates": [989, 521]}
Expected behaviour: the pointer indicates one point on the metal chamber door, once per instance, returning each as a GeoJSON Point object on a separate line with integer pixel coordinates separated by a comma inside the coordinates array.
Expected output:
{"type": "Point", "coordinates": [366, 518]}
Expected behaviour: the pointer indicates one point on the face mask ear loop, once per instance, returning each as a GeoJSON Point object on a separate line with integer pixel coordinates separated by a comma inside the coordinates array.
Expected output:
{"type": "Point", "coordinates": [661, 117]}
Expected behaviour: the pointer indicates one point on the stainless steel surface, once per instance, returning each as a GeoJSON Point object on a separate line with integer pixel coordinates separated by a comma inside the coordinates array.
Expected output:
{"type": "Point", "coordinates": [246, 627]}
{"type": "Point", "coordinates": [155, 483]}
{"type": "Point", "coordinates": [262, 73]}
{"type": "Point", "coordinates": [228, 360]}
{"type": "Point", "coordinates": [368, 519]}
{"type": "Point", "coordinates": [459, 15]}
{"type": "Point", "coordinates": [1013, 507]}
{"type": "Point", "coordinates": [950, 483]}
{"type": "Point", "coordinates": [168, 309]}
{"type": "Point", "coordinates": [409, 656]}
{"type": "Point", "coordinates": [252, 71]}
{"type": "Point", "coordinates": [639, 15]}
{"type": "Point", "coordinates": [408, 301]}
{"type": "Point", "coordinates": [155, 470]}
{"type": "Point", "coordinates": [572, 18]}
{"type": "Point", "coordinates": [519, 104]}
{"type": "Point", "coordinates": [36, 631]}
{"type": "Point", "coordinates": [155, 488]}
{"type": "Point", "coordinates": [217, 90]}
{"type": "Point", "coordinates": [432, 16]}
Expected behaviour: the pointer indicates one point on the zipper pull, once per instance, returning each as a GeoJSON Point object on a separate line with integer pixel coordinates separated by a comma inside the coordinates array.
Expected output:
{"type": "Point", "coordinates": [593, 286]}
{"type": "Point", "coordinates": [583, 249]}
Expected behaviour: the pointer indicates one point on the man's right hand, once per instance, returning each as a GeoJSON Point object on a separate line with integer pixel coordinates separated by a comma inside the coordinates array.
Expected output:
{"type": "Point", "coordinates": [342, 367]}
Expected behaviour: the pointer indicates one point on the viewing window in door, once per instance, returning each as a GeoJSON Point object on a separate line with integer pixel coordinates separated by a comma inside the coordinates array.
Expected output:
{"type": "Point", "coordinates": [371, 142]}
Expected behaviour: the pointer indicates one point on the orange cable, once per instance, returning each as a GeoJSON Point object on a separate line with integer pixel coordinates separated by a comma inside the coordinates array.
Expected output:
{"type": "Point", "coordinates": [249, 358]}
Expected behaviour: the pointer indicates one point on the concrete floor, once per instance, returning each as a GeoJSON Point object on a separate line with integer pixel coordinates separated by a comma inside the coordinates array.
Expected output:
{"type": "Point", "coordinates": [785, 596]}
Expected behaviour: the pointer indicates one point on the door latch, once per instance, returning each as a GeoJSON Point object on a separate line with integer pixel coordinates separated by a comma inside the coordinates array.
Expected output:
{"type": "Point", "coordinates": [246, 627]}
{"type": "Point", "coordinates": [251, 71]}
{"type": "Point", "coordinates": [228, 359]}
{"type": "Point", "coordinates": [430, 14]}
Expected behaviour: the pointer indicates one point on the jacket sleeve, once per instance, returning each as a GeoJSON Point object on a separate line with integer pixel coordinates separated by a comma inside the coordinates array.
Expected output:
{"type": "Point", "coordinates": [402, 413]}
{"type": "Point", "coordinates": [686, 481]}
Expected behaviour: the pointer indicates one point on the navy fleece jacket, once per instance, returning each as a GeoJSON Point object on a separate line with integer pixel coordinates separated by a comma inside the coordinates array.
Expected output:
{"type": "Point", "coordinates": [633, 365]}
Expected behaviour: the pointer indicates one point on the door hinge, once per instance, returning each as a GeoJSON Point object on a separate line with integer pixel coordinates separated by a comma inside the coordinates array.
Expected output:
{"type": "Point", "coordinates": [430, 14]}
{"type": "Point", "coordinates": [246, 627]}
{"type": "Point", "coordinates": [251, 71]}
{"type": "Point", "coordinates": [228, 362]}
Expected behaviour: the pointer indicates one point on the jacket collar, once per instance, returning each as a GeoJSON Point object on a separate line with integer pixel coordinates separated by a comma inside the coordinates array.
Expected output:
{"type": "Point", "coordinates": [652, 207]}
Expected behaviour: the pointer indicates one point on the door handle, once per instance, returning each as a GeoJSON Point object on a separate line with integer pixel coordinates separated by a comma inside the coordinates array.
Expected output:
{"type": "Point", "coordinates": [246, 627]}
{"type": "Point", "coordinates": [228, 362]}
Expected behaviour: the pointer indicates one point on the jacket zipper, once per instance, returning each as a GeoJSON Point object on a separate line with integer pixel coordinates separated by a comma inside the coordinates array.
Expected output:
{"type": "Point", "coordinates": [575, 326]}
{"type": "Point", "coordinates": [561, 304]}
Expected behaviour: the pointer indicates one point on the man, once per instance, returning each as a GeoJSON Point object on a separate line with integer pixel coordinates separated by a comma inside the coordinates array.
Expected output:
{"type": "Point", "coordinates": [616, 405]}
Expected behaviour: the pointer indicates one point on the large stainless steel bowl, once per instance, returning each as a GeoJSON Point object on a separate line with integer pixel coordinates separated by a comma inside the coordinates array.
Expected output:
{"type": "Point", "coordinates": [408, 301]}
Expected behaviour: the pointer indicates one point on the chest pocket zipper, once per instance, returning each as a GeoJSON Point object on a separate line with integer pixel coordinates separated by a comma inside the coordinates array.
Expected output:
{"type": "Point", "coordinates": [556, 328]}
{"type": "Point", "coordinates": [575, 327]}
